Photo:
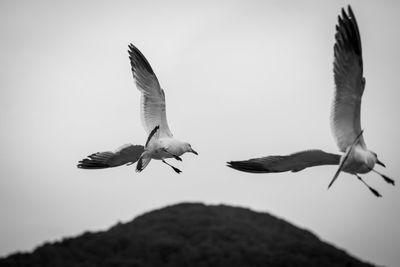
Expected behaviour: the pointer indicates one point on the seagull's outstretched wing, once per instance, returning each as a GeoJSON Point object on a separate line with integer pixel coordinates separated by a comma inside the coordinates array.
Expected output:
{"type": "Point", "coordinates": [349, 81]}
{"type": "Point", "coordinates": [126, 154]}
{"type": "Point", "coordinates": [294, 162]}
{"type": "Point", "coordinates": [153, 97]}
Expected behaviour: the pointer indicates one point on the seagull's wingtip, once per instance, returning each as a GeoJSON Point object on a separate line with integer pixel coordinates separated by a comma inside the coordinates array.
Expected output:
{"type": "Point", "coordinates": [232, 166]}
{"type": "Point", "coordinates": [350, 10]}
{"type": "Point", "coordinates": [330, 184]}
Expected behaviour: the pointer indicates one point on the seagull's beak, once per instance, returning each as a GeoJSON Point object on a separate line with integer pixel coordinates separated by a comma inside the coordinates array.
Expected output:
{"type": "Point", "coordinates": [194, 152]}
{"type": "Point", "coordinates": [380, 163]}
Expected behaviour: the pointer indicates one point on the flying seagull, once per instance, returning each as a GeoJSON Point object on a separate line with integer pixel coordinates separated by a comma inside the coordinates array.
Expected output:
{"type": "Point", "coordinates": [160, 143]}
{"type": "Point", "coordinates": [345, 117]}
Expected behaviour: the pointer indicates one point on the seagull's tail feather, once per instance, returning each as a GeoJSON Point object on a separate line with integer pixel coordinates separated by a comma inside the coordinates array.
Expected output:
{"type": "Point", "coordinates": [143, 161]}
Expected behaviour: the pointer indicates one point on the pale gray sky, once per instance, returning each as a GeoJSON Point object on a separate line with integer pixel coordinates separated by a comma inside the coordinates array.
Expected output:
{"type": "Point", "coordinates": [242, 79]}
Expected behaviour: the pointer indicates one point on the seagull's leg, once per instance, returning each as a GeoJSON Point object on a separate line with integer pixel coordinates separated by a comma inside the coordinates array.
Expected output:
{"type": "Point", "coordinates": [174, 168]}
{"type": "Point", "coordinates": [175, 156]}
{"type": "Point", "coordinates": [376, 193]}
{"type": "Point", "coordinates": [387, 179]}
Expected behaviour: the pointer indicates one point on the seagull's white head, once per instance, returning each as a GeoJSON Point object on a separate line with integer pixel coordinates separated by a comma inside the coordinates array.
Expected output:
{"type": "Point", "coordinates": [188, 148]}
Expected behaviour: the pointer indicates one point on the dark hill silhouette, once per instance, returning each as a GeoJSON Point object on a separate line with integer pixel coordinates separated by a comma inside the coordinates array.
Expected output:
{"type": "Point", "coordinates": [193, 235]}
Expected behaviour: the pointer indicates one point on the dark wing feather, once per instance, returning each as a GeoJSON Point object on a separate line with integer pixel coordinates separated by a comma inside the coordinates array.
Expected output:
{"type": "Point", "coordinates": [151, 135]}
{"type": "Point", "coordinates": [294, 162]}
{"type": "Point", "coordinates": [127, 154]}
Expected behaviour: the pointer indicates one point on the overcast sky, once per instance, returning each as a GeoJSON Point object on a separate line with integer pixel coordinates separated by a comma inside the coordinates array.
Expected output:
{"type": "Point", "coordinates": [242, 79]}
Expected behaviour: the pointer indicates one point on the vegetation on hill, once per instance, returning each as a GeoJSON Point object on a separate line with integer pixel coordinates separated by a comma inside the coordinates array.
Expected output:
{"type": "Point", "coordinates": [193, 235]}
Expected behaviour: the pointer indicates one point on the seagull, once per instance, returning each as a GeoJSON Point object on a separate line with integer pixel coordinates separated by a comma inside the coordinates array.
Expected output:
{"type": "Point", "coordinates": [160, 143]}
{"type": "Point", "coordinates": [345, 118]}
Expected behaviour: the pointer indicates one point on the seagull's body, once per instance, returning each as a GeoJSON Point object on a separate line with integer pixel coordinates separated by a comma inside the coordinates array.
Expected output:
{"type": "Point", "coordinates": [166, 148]}
{"type": "Point", "coordinates": [160, 144]}
{"type": "Point", "coordinates": [360, 160]}
{"type": "Point", "coordinates": [345, 117]}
